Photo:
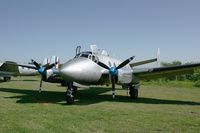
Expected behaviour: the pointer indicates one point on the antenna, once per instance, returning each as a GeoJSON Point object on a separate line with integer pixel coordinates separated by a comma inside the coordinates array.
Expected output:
{"type": "Point", "coordinates": [158, 57]}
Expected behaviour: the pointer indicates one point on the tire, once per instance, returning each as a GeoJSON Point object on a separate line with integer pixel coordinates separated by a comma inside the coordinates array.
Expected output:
{"type": "Point", "coordinates": [69, 98]}
{"type": "Point", "coordinates": [133, 92]}
{"type": "Point", "coordinates": [6, 79]}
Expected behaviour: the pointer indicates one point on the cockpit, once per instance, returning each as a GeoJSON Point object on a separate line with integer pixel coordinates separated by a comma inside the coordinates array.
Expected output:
{"type": "Point", "coordinates": [92, 55]}
{"type": "Point", "coordinates": [83, 54]}
{"type": "Point", "coordinates": [88, 55]}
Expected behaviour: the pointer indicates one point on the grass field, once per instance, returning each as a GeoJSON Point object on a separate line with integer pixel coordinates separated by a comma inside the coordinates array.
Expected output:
{"type": "Point", "coordinates": [159, 109]}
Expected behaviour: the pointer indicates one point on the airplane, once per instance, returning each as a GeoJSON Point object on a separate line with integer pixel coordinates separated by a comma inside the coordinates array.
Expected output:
{"type": "Point", "coordinates": [97, 67]}
{"type": "Point", "coordinates": [9, 69]}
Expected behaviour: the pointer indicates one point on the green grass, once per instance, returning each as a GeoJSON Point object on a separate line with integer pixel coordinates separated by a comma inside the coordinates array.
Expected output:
{"type": "Point", "coordinates": [174, 83]}
{"type": "Point", "coordinates": [159, 109]}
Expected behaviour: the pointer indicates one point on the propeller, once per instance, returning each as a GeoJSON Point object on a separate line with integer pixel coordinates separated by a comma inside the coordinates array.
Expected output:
{"type": "Point", "coordinates": [42, 70]}
{"type": "Point", "coordinates": [113, 71]}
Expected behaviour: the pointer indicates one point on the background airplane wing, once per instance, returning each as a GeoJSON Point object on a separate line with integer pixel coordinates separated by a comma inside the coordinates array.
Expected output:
{"type": "Point", "coordinates": [27, 66]}
{"type": "Point", "coordinates": [10, 68]}
{"type": "Point", "coordinates": [152, 73]}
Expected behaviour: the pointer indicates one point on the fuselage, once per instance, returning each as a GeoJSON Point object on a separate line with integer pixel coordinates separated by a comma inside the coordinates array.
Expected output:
{"type": "Point", "coordinates": [23, 71]}
{"type": "Point", "coordinates": [84, 69]}
{"type": "Point", "coordinates": [8, 69]}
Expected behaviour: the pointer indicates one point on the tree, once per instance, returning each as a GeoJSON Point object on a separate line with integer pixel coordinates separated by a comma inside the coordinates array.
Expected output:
{"type": "Point", "coordinates": [174, 63]}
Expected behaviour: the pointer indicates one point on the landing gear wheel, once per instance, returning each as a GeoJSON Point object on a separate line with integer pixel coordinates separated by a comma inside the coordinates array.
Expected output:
{"type": "Point", "coordinates": [6, 79]}
{"type": "Point", "coordinates": [133, 92]}
{"type": "Point", "coordinates": [71, 91]}
{"type": "Point", "coordinates": [69, 98]}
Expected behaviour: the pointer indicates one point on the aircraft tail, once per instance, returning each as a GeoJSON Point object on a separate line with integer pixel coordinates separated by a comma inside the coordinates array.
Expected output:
{"type": "Point", "coordinates": [148, 61]}
{"type": "Point", "coordinates": [46, 61]}
{"type": "Point", "coordinates": [158, 57]}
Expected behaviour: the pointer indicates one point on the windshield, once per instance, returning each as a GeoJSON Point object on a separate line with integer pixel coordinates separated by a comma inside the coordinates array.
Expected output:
{"type": "Point", "coordinates": [83, 54]}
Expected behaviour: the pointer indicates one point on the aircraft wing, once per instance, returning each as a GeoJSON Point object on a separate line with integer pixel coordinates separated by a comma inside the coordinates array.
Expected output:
{"type": "Point", "coordinates": [153, 73]}
{"type": "Point", "coordinates": [27, 66]}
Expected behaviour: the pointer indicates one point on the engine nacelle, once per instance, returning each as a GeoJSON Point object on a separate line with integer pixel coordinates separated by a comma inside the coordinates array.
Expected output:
{"type": "Point", "coordinates": [124, 76]}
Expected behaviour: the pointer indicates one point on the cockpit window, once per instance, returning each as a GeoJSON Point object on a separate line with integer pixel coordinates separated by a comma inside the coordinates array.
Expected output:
{"type": "Point", "coordinates": [93, 58]}
{"type": "Point", "coordinates": [83, 54]}
{"type": "Point", "coordinates": [88, 55]}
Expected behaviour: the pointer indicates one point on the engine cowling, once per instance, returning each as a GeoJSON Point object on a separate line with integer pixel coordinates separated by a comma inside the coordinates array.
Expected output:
{"type": "Point", "coordinates": [124, 76]}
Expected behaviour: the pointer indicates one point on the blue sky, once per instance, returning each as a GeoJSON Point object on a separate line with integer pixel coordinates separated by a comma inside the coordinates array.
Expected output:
{"type": "Point", "coordinates": [41, 28]}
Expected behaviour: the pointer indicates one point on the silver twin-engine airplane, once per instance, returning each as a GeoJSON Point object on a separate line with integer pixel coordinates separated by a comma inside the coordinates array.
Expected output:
{"type": "Point", "coordinates": [96, 67]}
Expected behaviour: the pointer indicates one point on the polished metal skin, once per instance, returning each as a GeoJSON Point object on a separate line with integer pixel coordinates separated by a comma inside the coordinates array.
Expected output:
{"type": "Point", "coordinates": [96, 67]}
{"type": "Point", "coordinates": [23, 71]}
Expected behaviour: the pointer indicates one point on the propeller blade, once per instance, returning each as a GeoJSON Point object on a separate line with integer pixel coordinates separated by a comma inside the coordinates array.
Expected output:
{"type": "Point", "coordinates": [35, 63]}
{"type": "Point", "coordinates": [125, 62]}
{"type": "Point", "coordinates": [49, 67]}
{"type": "Point", "coordinates": [103, 65]}
{"type": "Point", "coordinates": [40, 89]}
{"type": "Point", "coordinates": [113, 86]}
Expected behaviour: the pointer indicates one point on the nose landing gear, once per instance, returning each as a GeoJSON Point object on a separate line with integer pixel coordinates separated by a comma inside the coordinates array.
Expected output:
{"type": "Point", "coordinates": [70, 93]}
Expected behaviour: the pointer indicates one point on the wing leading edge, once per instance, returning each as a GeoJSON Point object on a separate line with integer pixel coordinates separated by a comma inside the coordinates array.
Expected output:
{"type": "Point", "coordinates": [153, 73]}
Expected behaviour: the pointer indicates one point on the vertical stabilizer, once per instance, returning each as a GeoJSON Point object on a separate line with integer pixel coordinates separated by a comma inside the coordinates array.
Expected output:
{"type": "Point", "coordinates": [158, 57]}
{"type": "Point", "coordinates": [46, 61]}
{"type": "Point", "coordinates": [94, 49]}
{"type": "Point", "coordinates": [55, 60]}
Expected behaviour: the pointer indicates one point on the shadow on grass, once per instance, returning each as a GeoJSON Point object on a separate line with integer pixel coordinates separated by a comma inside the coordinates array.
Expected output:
{"type": "Point", "coordinates": [25, 80]}
{"type": "Point", "coordinates": [2, 81]}
{"type": "Point", "coordinates": [84, 97]}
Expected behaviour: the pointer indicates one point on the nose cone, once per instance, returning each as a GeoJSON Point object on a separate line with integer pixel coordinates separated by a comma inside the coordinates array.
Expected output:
{"type": "Point", "coordinates": [70, 70]}
{"type": "Point", "coordinates": [81, 70]}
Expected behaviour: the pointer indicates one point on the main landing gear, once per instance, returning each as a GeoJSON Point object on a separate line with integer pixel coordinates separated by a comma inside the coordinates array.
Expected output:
{"type": "Point", "coordinates": [70, 93]}
{"type": "Point", "coordinates": [133, 91]}
{"type": "Point", "coordinates": [5, 79]}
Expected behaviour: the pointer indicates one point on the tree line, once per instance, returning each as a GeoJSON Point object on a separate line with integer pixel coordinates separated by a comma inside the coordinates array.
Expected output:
{"type": "Point", "coordinates": [188, 77]}
{"type": "Point", "coordinates": [193, 78]}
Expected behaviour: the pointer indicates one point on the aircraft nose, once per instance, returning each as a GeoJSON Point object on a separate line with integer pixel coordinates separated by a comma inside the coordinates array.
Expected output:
{"type": "Point", "coordinates": [81, 70]}
{"type": "Point", "coordinates": [70, 70]}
